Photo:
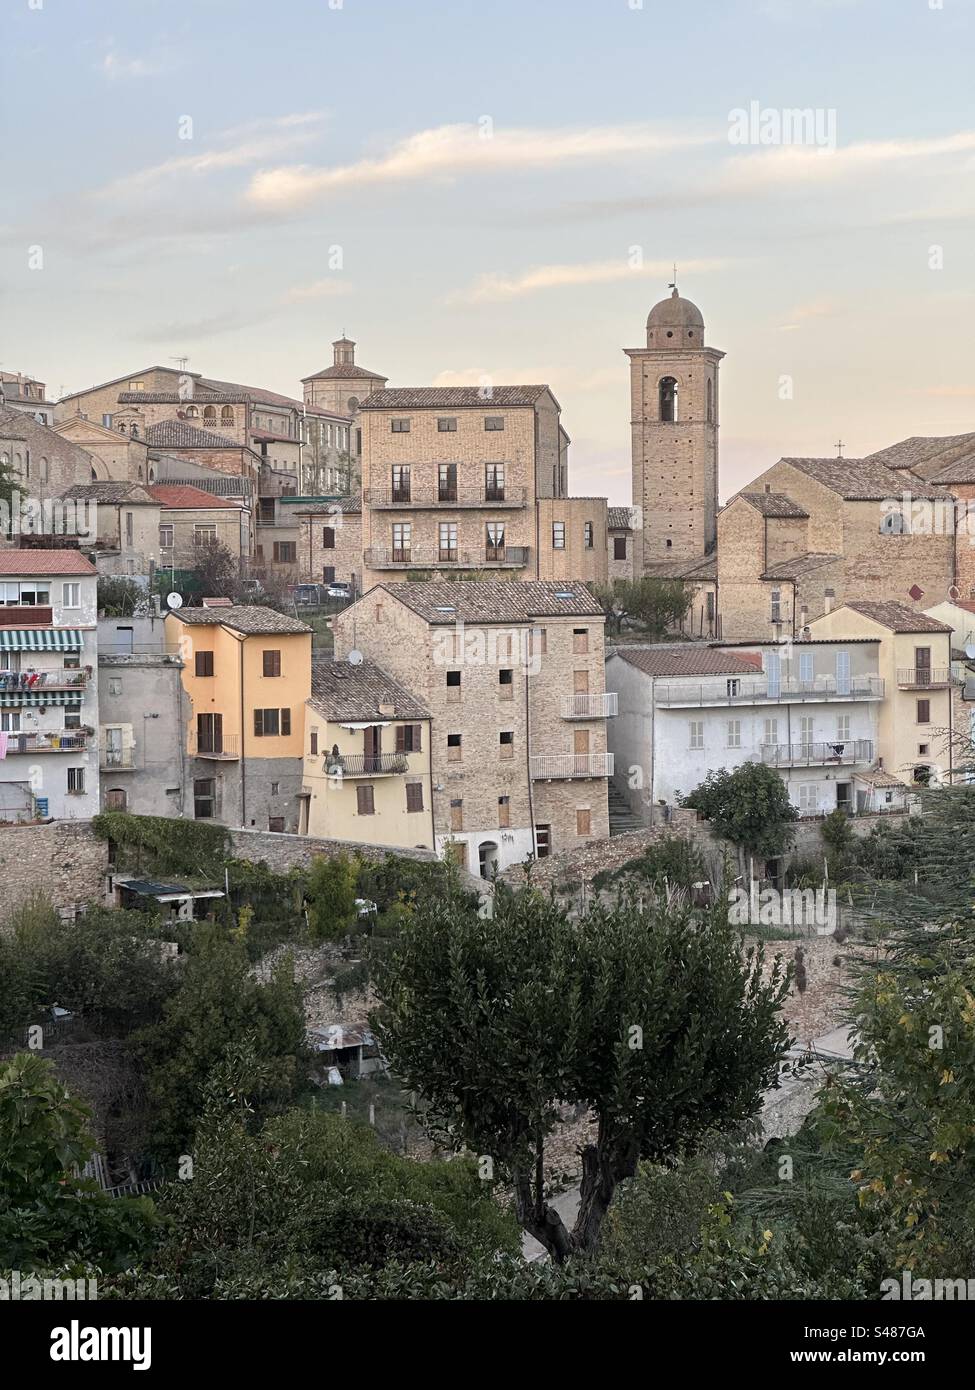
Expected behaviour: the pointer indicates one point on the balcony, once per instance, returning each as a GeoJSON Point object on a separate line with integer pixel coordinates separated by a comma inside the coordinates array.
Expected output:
{"type": "Point", "coordinates": [426, 497]}
{"type": "Point", "coordinates": [924, 678]}
{"type": "Point", "coordinates": [366, 765]}
{"type": "Point", "coordinates": [221, 747]}
{"type": "Point", "coordinates": [590, 706]}
{"type": "Point", "coordinates": [732, 691]}
{"type": "Point", "coordinates": [414, 558]}
{"type": "Point", "coordinates": [26, 682]}
{"type": "Point", "coordinates": [70, 741]}
{"type": "Point", "coordinates": [116, 760]}
{"type": "Point", "coordinates": [560, 767]}
{"type": "Point", "coordinates": [842, 753]}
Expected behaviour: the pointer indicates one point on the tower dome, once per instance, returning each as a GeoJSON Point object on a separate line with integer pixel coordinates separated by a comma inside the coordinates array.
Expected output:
{"type": "Point", "coordinates": [675, 322]}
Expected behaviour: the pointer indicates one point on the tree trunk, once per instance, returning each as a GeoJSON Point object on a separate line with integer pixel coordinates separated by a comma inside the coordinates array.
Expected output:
{"type": "Point", "coordinates": [604, 1167]}
{"type": "Point", "coordinates": [540, 1220]}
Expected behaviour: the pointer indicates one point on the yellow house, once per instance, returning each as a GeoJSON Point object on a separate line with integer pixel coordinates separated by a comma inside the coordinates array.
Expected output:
{"type": "Point", "coordinates": [914, 723]}
{"type": "Point", "coordinates": [367, 759]}
{"type": "Point", "coordinates": [246, 677]}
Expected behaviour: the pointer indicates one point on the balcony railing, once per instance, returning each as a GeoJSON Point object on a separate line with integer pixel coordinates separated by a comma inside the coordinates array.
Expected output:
{"type": "Point", "coordinates": [590, 706]}
{"type": "Point", "coordinates": [42, 680]}
{"type": "Point", "coordinates": [747, 691]}
{"type": "Point", "coordinates": [70, 741]}
{"type": "Point", "coordinates": [116, 759]}
{"type": "Point", "coordinates": [841, 753]}
{"type": "Point", "coordinates": [226, 746]}
{"type": "Point", "coordinates": [366, 764]}
{"type": "Point", "coordinates": [559, 767]}
{"type": "Point", "coordinates": [924, 678]}
{"type": "Point", "coordinates": [419, 558]}
{"type": "Point", "coordinates": [449, 495]}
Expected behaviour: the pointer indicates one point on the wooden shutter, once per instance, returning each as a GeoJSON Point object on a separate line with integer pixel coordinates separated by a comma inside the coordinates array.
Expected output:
{"type": "Point", "coordinates": [258, 723]}
{"type": "Point", "coordinates": [414, 796]}
{"type": "Point", "coordinates": [365, 803]}
{"type": "Point", "coordinates": [286, 721]}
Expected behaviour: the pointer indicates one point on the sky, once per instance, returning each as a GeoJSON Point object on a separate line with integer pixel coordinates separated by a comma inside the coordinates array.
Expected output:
{"type": "Point", "coordinates": [498, 189]}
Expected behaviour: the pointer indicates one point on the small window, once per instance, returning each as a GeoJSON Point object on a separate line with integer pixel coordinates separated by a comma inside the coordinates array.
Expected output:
{"type": "Point", "coordinates": [286, 722]}
{"type": "Point", "coordinates": [267, 723]}
{"type": "Point", "coordinates": [328, 537]}
{"type": "Point", "coordinates": [924, 711]}
{"type": "Point", "coordinates": [538, 641]}
{"type": "Point", "coordinates": [454, 747]}
{"type": "Point", "coordinates": [543, 841]}
{"type": "Point", "coordinates": [76, 781]}
{"type": "Point", "coordinates": [506, 685]}
{"type": "Point", "coordinates": [276, 824]}
{"type": "Point", "coordinates": [70, 595]}
{"type": "Point", "coordinates": [923, 748]}
{"type": "Point", "coordinates": [734, 733]}
{"type": "Point", "coordinates": [558, 535]}
{"type": "Point", "coordinates": [399, 426]}
{"type": "Point", "coordinates": [587, 535]}
{"type": "Point", "coordinates": [414, 796]}
{"type": "Point", "coordinates": [203, 663]}
{"type": "Point", "coordinates": [285, 552]}
{"type": "Point", "coordinates": [204, 535]}
{"type": "Point", "coordinates": [583, 820]}
{"type": "Point", "coordinates": [409, 738]}
{"type": "Point", "coordinates": [506, 744]}
{"type": "Point", "coordinates": [457, 814]}
{"type": "Point", "coordinates": [313, 742]}
{"type": "Point", "coordinates": [696, 733]}
{"type": "Point", "coordinates": [272, 663]}
{"type": "Point", "coordinates": [204, 795]}
{"type": "Point", "coordinates": [365, 800]}
{"type": "Point", "coordinates": [447, 424]}
{"type": "Point", "coordinates": [619, 547]}
{"type": "Point", "coordinates": [115, 685]}
{"type": "Point", "coordinates": [504, 812]}
{"type": "Point", "coordinates": [580, 640]}
{"type": "Point", "coordinates": [494, 422]}
{"type": "Point", "coordinates": [453, 685]}
{"type": "Point", "coordinates": [165, 538]}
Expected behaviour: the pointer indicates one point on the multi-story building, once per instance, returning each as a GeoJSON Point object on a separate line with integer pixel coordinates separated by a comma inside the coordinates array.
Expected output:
{"type": "Point", "coordinates": [339, 390]}
{"type": "Point", "coordinates": [26, 394]}
{"type": "Point", "coordinates": [246, 676]}
{"type": "Point", "coordinates": [37, 459]}
{"type": "Point", "coordinates": [192, 519]}
{"type": "Point", "coordinates": [367, 759]}
{"type": "Point", "coordinates": [452, 477]}
{"type": "Point", "coordinates": [328, 461]}
{"type": "Point", "coordinates": [330, 540]}
{"type": "Point", "coordinates": [573, 534]}
{"type": "Point", "coordinates": [48, 685]}
{"type": "Point", "coordinates": [513, 677]}
{"type": "Point", "coordinates": [621, 531]}
{"type": "Point", "coordinates": [141, 750]}
{"type": "Point", "coordinates": [915, 720]}
{"type": "Point", "coordinates": [810, 710]}
{"type": "Point", "coordinates": [127, 527]}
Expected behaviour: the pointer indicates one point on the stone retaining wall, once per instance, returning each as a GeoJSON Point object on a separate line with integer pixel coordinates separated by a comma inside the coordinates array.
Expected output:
{"type": "Point", "coordinates": [60, 858]}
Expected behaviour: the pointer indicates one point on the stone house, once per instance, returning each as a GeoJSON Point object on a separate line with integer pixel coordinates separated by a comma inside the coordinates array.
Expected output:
{"type": "Point", "coordinates": [330, 540]}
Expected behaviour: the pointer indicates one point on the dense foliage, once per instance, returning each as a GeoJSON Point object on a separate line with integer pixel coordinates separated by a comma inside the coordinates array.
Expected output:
{"type": "Point", "coordinates": [749, 807]}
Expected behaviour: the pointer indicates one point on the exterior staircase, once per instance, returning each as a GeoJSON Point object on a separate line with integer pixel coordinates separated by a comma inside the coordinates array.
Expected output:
{"type": "Point", "coordinates": [621, 817]}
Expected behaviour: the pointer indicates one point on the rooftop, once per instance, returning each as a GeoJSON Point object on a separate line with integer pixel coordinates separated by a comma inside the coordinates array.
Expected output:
{"type": "Point", "coordinates": [178, 434]}
{"type": "Point", "coordinates": [921, 449]}
{"type": "Point", "coordinates": [897, 617]}
{"type": "Point", "coordinates": [451, 397]}
{"type": "Point", "coordinates": [44, 562]}
{"type": "Point", "coordinates": [341, 691]}
{"type": "Point", "coordinates": [774, 504]}
{"type": "Point", "coordinates": [676, 660]}
{"type": "Point", "coordinates": [250, 620]}
{"type": "Point", "coordinates": [620, 518]}
{"type": "Point", "coordinates": [861, 480]}
{"type": "Point", "coordinates": [134, 494]}
{"type": "Point", "coordinates": [796, 565]}
{"type": "Point", "coordinates": [174, 496]}
{"type": "Point", "coordinates": [473, 601]}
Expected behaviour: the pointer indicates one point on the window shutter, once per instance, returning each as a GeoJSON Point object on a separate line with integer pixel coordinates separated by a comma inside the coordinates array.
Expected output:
{"type": "Point", "coordinates": [285, 721]}
{"type": "Point", "coordinates": [401, 738]}
{"type": "Point", "coordinates": [258, 723]}
{"type": "Point", "coordinates": [417, 739]}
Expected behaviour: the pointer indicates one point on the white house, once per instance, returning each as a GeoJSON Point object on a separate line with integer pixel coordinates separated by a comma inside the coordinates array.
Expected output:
{"type": "Point", "coordinates": [806, 708]}
{"type": "Point", "coordinates": [48, 685]}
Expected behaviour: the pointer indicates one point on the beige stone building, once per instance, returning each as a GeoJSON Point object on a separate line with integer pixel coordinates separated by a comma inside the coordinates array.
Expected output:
{"type": "Point", "coordinates": [915, 719]}
{"type": "Point", "coordinates": [513, 676]}
{"type": "Point", "coordinates": [191, 520]}
{"type": "Point", "coordinates": [452, 477]}
{"type": "Point", "coordinates": [330, 541]}
{"type": "Point", "coordinates": [116, 457]}
{"type": "Point", "coordinates": [25, 393]}
{"type": "Point", "coordinates": [339, 390]}
{"type": "Point", "coordinates": [573, 538]}
{"type": "Point", "coordinates": [367, 759]}
{"type": "Point", "coordinates": [620, 542]}
{"type": "Point", "coordinates": [39, 460]}
{"type": "Point", "coordinates": [674, 427]}
{"type": "Point", "coordinates": [127, 527]}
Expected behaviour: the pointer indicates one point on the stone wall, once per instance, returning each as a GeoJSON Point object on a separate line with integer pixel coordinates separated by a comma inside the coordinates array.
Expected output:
{"type": "Point", "coordinates": [283, 852]}
{"type": "Point", "coordinates": [60, 858]}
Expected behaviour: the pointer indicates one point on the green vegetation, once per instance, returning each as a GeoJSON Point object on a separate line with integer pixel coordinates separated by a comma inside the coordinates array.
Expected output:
{"type": "Point", "coordinates": [749, 807]}
{"type": "Point", "coordinates": [654, 607]}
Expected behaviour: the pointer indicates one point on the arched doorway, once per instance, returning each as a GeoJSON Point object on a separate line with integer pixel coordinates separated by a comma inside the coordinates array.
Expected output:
{"type": "Point", "coordinates": [488, 856]}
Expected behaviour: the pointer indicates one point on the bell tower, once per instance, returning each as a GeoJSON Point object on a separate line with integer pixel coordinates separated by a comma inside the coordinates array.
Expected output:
{"type": "Point", "coordinates": [674, 430]}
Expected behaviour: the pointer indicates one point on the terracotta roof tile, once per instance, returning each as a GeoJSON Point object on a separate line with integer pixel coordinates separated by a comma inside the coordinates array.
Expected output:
{"type": "Point", "coordinates": [686, 660]}
{"type": "Point", "coordinates": [340, 690]}
{"type": "Point", "coordinates": [860, 480]}
{"type": "Point", "coordinates": [453, 397]}
{"type": "Point", "coordinates": [774, 504]}
{"type": "Point", "coordinates": [251, 620]}
{"type": "Point", "coordinates": [174, 496]}
{"type": "Point", "coordinates": [473, 601]}
{"type": "Point", "coordinates": [41, 562]}
{"type": "Point", "coordinates": [897, 616]}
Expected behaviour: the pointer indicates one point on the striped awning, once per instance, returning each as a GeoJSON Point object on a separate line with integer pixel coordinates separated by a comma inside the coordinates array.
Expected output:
{"type": "Point", "coordinates": [40, 639]}
{"type": "Point", "coordinates": [17, 699]}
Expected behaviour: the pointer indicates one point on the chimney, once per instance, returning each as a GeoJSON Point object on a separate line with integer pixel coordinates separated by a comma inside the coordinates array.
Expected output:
{"type": "Point", "coordinates": [387, 709]}
{"type": "Point", "coordinates": [828, 597]}
{"type": "Point", "coordinates": [768, 487]}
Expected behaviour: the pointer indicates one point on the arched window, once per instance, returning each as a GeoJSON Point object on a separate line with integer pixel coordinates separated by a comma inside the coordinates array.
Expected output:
{"type": "Point", "coordinates": [192, 413]}
{"type": "Point", "coordinates": [710, 406]}
{"type": "Point", "coordinates": [668, 398]}
{"type": "Point", "coordinates": [134, 431]}
{"type": "Point", "coordinates": [892, 524]}
{"type": "Point", "coordinates": [210, 414]}
{"type": "Point", "coordinates": [227, 416]}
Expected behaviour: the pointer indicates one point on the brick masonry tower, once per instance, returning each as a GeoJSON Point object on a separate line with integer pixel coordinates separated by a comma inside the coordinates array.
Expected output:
{"type": "Point", "coordinates": [674, 424]}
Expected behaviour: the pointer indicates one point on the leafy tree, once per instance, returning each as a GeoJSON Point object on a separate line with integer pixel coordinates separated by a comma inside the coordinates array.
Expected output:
{"type": "Point", "coordinates": [119, 597]}
{"type": "Point", "coordinates": [49, 1216]}
{"type": "Point", "coordinates": [749, 807]}
{"type": "Point", "coordinates": [673, 861]}
{"type": "Point", "coordinates": [659, 606]}
{"type": "Point", "coordinates": [656, 1019]}
{"type": "Point", "coordinates": [331, 895]}
{"type": "Point", "coordinates": [218, 1003]}
{"type": "Point", "coordinates": [217, 570]}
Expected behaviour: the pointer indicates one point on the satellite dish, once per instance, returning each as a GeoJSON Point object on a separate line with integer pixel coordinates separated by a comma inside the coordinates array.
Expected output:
{"type": "Point", "coordinates": [174, 600]}
{"type": "Point", "coordinates": [970, 649]}
{"type": "Point", "coordinates": [354, 658]}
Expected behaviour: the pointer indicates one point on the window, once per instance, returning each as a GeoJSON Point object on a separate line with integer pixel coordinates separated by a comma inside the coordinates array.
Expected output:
{"type": "Point", "coordinates": [494, 422]}
{"type": "Point", "coordinates": [494, 482]}
{"type": "Point", "coordinates": [203, 663]}
{"type": "Point", "coordinates": [587, 535]}
{"type": "Point", "coordinates": [808, 798]}
{"type": "Point", "coordinates": [506, 684]}
{"type": "Point", "coordinates": [70, 595]}
{"type": "Point", "coordinates": [76, 781]}
{"type": "Point", "coordinates": [276, 824]}
{"type": "Point", "coordinates": [543, 841]}
{"type": "Point", "coordinates": [165, 538]}
{"type": "Point", "coordinates": [409, 738]}
{"type": "Point", "coordinates": [709, 605]}
{"type": "Point", "coordinates": [313, 742]}
{"type": "Point", "coordinates": [504, 812]}
{"type": "Point", "coordinates": [286, 722]}
{"type": "Point", "coordinates": [447, 482]}
{"type": "Point", "coordinates": [734, 733]}
{"type": "Point", "coordinates": [365, 800]}
{"type": "Point", "coordinates": [583, 820]}
{"type": "Point", "coordinates": [285, 552]}
{"type": "Point", "coordinates": [806, 668]}
{"type": "Point", "coordinates": [732, 688]}
{"type": "Point", "coordinates": [924, 711]}
{"type": "Point", "coordinates": [806, 727]}
{"type": "Point", "coordinates": [776, 605]}
{"type": "Point", "coordinates": [328, 537]}
{"type": "Point", "coordinates": [115, 685]}
{"type": "Point", "coordinates": [204, 796]}
{"type": "Point", "coordinates": [268, 723]}
{"type": "Point", "coordinates": [414, 796]}
{"type": "Point", "coordinates": [453, 685]}
{"type": "Point", "coordinates": [402, 541]}
{"type": "Point", "coordinates": [272, 663]}
{"type": "Point", "coordinates": [580, 640]}
{"type": "Point", "coordinates": [771, 733]}
{"type": "Point", "coordinates": [401, 483]}
{"type": "Point", "coordinates": [843, 673]}
{"type": "Point", "coordinates": [265, 510]}
{"type": "Point", "coordinates": [619, 547]}
{"type": "Point", "coordinates": [128, 529]}
{"type": "Point", "coordinates": [506, 744]}
{"type": "Point", "coordinates": [399, 426]}
{"type": "Point", "coordinates": [447, 425]}
{"type": "Point", "coordinates": [454, 747]}
{"type": "Point", "coordinates": [328, 574]}
{"type": "Point", "coordinates": [922, 749]}
{"type": "Point", "coordinates": [538, 641]}
{"type": "Point", "coordinates": [696, 733]}
{"type": "Point", "coordinates": [494, 541]}
{"type": "Point", "coordinates": [448, 540]}
{"type": "Point", "coordinates": [72, 718]}
{"type": "Point", "coordinates": [206, 535]}
{"type": "Point", "coordinates": [457, 814]}
{"type": "Point", "coordinates": [709, 410]}
{"type": "Point", "coordinates": [668, 399]}
{"type": "Point", "coordinates": [558, 535]}
{"type": "Point", "coordinates": [843, 728]}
